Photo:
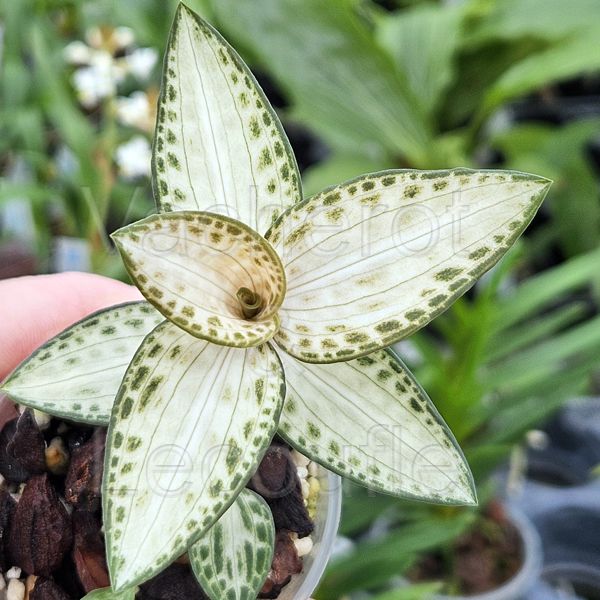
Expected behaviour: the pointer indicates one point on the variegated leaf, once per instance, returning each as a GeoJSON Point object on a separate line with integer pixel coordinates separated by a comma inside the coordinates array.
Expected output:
{"type": "Point", "coordinates": [370, 421]}
{"type": "Point", "coordinates": [109, 594]}
{"type": "Point", "coordinates": [76, 375]}
{"type": "Point", "coordinates": [193, 266]}
{"type": "Point", "coordinates": [374, 259]}
{"type": "Point", "coordinates": [218, 145]}
{"type": "Point", "coordinates": [190, 423]}
{"type": "Point", "coordinates": [232, 560]}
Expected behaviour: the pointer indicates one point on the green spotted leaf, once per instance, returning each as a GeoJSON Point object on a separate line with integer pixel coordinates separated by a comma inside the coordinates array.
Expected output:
{"type": "Point", "coordinates": [76, 375]}
{"type": "Point", "coordinates": [370, 421]}
{"type": "Point", "coordinates": [192, 266]}
{"type": "Point", "coordinates": [232, 560]}
{"type": "Point", "coordinates": [190, 424]}
{"type": "Point", "coordinates": [109, 594]}
{"type": "Point", "coordinates": [372, 260]}
{"type": "Point", "coordinates": [218, 145]}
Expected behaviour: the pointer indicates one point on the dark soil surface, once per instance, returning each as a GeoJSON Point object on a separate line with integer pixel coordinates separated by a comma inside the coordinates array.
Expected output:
{"type": "Point", "coordinates": [481, 560]}
{"type": "Point", "coordinates": [50, 512]}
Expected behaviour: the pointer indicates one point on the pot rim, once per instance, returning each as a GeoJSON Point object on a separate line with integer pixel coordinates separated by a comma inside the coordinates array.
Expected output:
{"type": "Point", "coordinates": [327, 522]}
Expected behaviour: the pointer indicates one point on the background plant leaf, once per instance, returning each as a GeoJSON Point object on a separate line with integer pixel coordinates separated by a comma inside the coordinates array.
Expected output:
{"type": "Point", "coordinates": [422, 41]}
{"type": "Point", "coordinates": [342, 83]}
{"type": "Point", "coordinates": [514, 19]}
{"type": "Point", "coordinates": [376, 561]}
{"type": "Point", "coordinates": [576, 55]}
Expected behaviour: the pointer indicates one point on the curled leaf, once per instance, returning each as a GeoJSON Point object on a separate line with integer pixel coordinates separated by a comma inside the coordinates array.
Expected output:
{"type": "Point", "coordinates": [202, 271]}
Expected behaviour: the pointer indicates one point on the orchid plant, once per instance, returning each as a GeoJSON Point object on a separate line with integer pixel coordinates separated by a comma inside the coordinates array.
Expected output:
{"type": "Point", "coordinates": [265, 314]}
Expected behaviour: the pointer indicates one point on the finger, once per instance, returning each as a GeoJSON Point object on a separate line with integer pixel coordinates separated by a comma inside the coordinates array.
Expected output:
{"type": "Point", "coordinates": [34, 309]}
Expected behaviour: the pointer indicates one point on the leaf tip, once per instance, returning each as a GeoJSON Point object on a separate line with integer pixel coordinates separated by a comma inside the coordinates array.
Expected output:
{"type": "Point", "coordinates": [120, 578]}
{"type": "Point", "coordinates": [183, 10]}
{"type": "Point", "coordinates": [470, 495]}
{"type": "Point", "coordinates": [464, 492]}
{"type": "Point", "coordinates": [541, 187]}
{"type": "Point", "coordinates": [543, 183]}
{"type": "Point", "coordinates": [8, 388]}
{"type": "Point", "coordinates": [540, 183]}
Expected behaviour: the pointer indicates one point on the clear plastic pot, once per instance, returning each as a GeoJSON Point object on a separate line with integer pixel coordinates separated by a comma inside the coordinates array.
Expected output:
{"type": "Point", "coordinates": [327, 519]}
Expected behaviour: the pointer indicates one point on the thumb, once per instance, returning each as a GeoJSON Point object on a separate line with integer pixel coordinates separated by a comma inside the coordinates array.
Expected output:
{"type": "Point", "coordinates": [34, 309]}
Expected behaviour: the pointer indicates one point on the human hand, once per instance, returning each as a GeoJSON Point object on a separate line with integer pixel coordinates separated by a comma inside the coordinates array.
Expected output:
{"type": "Point", "coordinates": [34, 309]}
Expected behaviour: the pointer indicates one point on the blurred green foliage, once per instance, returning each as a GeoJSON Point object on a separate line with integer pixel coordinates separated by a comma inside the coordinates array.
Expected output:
{"type": "Point", "coordinates": [415, 84]}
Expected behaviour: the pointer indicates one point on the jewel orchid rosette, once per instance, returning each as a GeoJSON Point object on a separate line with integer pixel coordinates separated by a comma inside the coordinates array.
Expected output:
{"type": "Point", "coordinates": [266, 314]}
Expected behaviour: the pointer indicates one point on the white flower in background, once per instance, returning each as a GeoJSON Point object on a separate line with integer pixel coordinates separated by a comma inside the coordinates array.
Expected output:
{"type": "Point", "coordinates": [98, 68]}
{"type": "Point", "coordinates": [133, 158]}
{"type": "Point", "coordinates": [109, 38]}
{"type": "Point", "coordinates": [98, 80]}
{"type": "Point", "coordinates": [135, 111]}
{"type": "Point", "coordinates": [141, 61]}
{"type": "Point", "coordinates": [77, 53]}
{"type": "Point", "coordinates": [123, 37]}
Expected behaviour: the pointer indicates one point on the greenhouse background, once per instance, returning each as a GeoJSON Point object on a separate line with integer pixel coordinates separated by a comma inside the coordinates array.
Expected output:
{"type": "Point", "coordinates": [361, 86]}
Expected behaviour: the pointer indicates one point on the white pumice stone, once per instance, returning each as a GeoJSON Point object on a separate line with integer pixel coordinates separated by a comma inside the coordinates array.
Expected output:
{"type": "Point", "coordinates": [42, 419]}
{"type": "Point", "coordinates": [16, 590]}
{"type": "Point", "coordinates": [302, 472]}
{"type": "Point", "coordinates": [299, 459]}
{"type": "Point", "coordinates": [13, 573]}
{"type": "Point", "coordinates": [303, 545]}
{"type": "Point", "coordinates": [314, 486]}
{"type": "Point", "coordinates": [305, 488]}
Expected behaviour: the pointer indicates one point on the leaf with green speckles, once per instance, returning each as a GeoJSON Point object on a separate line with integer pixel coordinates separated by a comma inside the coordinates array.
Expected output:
{"type": "Point", "coordinates": [193, 266]}
{"type": "Point", "coordinates": [372, 260]}
{"type": "Point", "coordinates": [370, 421]}
{"type": "Point", "coordinates": [218, 143]}
{"type": "Point", "coordinates": [190, 424]}
{"type": "Point", "coordinates": [108, 594]}
{"type": "Point", "coordinates": [76, 375]}
{"type": "Point", "coordinates": [232, 560]}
